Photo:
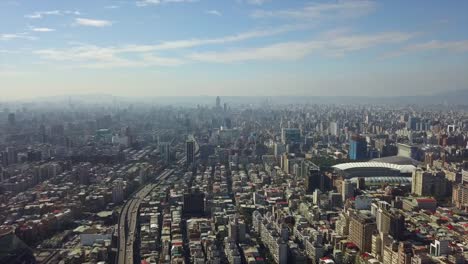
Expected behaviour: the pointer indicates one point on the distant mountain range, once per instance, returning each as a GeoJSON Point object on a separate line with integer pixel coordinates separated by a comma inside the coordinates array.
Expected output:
{"type": "Point", "coordinates": [449, 98]}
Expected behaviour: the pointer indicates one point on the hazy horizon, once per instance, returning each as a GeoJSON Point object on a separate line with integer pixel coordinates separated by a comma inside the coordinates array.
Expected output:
{"type": "Point", "coordinates": [148, 48]}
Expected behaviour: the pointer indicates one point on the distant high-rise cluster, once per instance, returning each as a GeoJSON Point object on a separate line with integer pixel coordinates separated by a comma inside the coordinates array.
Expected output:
{"type": "Point", "coordinates": [245, 183]}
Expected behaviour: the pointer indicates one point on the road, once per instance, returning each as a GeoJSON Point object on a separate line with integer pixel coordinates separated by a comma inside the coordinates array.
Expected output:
{"type": "Point", "coordinates": [128, 220]}
{"type": "Point", "coordinates": [129, 217]}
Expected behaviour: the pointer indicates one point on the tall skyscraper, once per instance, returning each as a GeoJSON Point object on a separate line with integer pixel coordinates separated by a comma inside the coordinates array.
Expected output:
{"type": "Point", "coordinates": [218, 102]}
{"type": "Point", "coordinates": [414, 123]}
{"type": "Point", "coordinates": [290, 135]}
{"type": "Point", "coordinates": [279, 149]}
{"type": "Point", "coordinates": [190, 151]}
{"type": "Point", "coordinates": [313, 177]}
{"type": "Point", "coordinates": [11, 119]}
{"type": "Point", "coordinates": [12, 155]}
{"type": "Point", "coordinates": [334, 129]}
{"type": "Point", "coordinates": [117, 191]}
{"type": "Point", "coordinates": [426, 183]}
{"type": "Point", "coordinates": [361, 228]}
{"type": "Point", "coordinates": [237, 229]}
{"type": "Point", "coordinates": [165, 151]}
{"type": "Point", "coordinates": [357, 148]}
{"type": "Point", "coordinates": [347, 189]}
{"type": "Point", "coordinates": [440, 247]}
{"type": "Point", "coordinates": [194, 203]}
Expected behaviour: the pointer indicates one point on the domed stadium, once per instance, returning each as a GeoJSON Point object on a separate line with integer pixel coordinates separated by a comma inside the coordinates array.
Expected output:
{"type": "Point", "coordinates": [373, 169]}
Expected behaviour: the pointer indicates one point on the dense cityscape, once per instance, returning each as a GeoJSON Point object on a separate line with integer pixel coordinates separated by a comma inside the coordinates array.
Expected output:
{"type": "Point", "coordinates": [235, 183]}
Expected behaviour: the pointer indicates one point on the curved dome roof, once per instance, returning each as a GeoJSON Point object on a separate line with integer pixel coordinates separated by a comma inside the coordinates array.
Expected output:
{"type": "Point", "coordinates": [373, 164]}
{"type": "Point", "coordinates": [399, 160]}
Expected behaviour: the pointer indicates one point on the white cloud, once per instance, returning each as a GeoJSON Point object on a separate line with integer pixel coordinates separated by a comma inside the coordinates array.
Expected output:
{"type": "Point", "coordinates": [106, 56]}
{"type": "Point", "coordinates": [42, 29]}
{"type": "Point", "coordinates": [214, 12]}
{"type": "Point", "coordinates": [90, 56]}
{"type": "Point", "coordinates": [112, 7]}
{"type": "Point", "coordinates": [190, 43]}
{"type": "Point", "coordinates": [82, 53]}
{"type": "Point", "coordinates": [42, 14]}
{"type": "Point", "coordinates": [158, 2]}
{"type": "Point", "coordinates": [336, 45]}
{"type": "Point", "coordinates": [280, 51]}
{"type": "Point", "coordinates": [450, 46]}
{"type": "Point", "coordinates": [24, 35]}
{"type": "Point", "coordinates": [358, 42]}
{"type": "Point", "coordinates": [92, 22]}
{"type": "Point", "coordinates": [257, 2]}
{"type": "Point", "coordinates": [339, 9]}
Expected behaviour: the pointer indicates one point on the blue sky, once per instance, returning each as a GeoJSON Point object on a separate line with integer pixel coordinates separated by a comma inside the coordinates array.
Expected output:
{"type": "Point", "coordinates": [232, 47]}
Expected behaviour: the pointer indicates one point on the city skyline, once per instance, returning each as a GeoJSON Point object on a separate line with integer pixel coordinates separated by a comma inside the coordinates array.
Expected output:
{"type": "Point", "coordinates": [232, 48]}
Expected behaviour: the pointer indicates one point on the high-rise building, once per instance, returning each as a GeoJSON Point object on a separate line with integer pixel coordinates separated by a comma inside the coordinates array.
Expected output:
{"type": "Point", "coordinates": [11, 119]}
{"type": "Point", "coordinates": [237, 229]}
{"type": "Point", "coordinates": [190, 151]}
{"type": "Point", "coordinates": [440, 247]}
{"type": "Point", "coordinates": [165, 151]}
{"type": "Point", "coordinates": [391, 222]}
{"type": "Point", "coordinates": [117, 191]}
{"type": "Point", "coordinates": [427, 183]}
{"type": "Point", "coordinates": [290, 135]}
{"type": "Point", "coordinates": [460, 195]}
{"type": "Point", "coordinates": [334, 129]}
{"type": "Point", "coordinates": [194, 203]}
{"type": "Point", "coordinates": [279, 149]}
{"type": "Point", "coordinates": [361, 228]}
{"type": "Point", "coordinates": [83, 174]}
{"type": "Point", "coordinates": [14, 250]}
{"type": "Point", "coordinates": [413, 123]}
{"type": "Point", "coordinates": [218, 102]}
{"type": "Point", "coordinates": [347, 189]}
{"type": "Point", "coordinates": [465, 172]}
{"type": "Point", "coordinates": [361, 183]}
{"type": "Point", "coordinates": [357, 148]}
{"type": "Point", "coordinates": [397, 226]}
{"type": "Point", "coordinates": [12, 155]}
{"type": "Point", "coordinates": [409, 151]}
{"type": "Point", "coordinates": [405, 252]}
{"type": "Point", "coordinates": [313, 177]}
{"type": "Point", "coordinates": [451, 128]}
{"type": "Point", "coordinates": [4, 159]}
{"type": "Point", "coordinates": [335, 199]}
{"type": "Point", "coordinates": [376, 248]}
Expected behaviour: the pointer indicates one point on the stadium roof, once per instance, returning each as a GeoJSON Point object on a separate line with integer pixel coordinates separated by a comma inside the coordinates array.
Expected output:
{"type": "Point", "coordinates": [386, 179]}
{"type": "Point", "coordinates": [357, 165]}
{"type": "Point", "coordinates": [399, 160]}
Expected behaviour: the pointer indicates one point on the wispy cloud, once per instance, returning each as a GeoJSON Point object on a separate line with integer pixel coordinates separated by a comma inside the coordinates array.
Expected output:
{"type": "Point", "coordinates": [280, 51]}
{"type": "Point", "coordinates": [42, 29]}
{"type": "Point", "coordinates": [158, 2]}
{"type": "Point", "coordinates": [190, 43]}
{"type": "Point", "coordinates": [339, 9]}
{"type": "Point", "coordinates": [92, 22]}
{"type": "Point", "coordinates": [336, 46]}
{"type": "Point", "coordinates": [82, 53]}
{"type": "Point", "coordinates": [23, 35]}
{"type": "Point", "coordinates": [42, 14]}
{"type": "Point", "coordinates": [214, 12]}
{"type": "Point", "coordinates": [450, 46]}
{"type": "Point", "coordinates": [91, 56]}
{"type": "Point", "coordinates": [257, 2]}
{"type": "Point", "coordinates": [108, 56]}
{"type": "Point", "coordinates": [112, 7]}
